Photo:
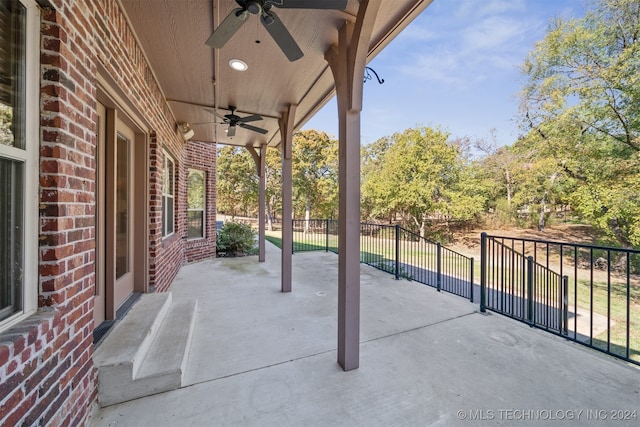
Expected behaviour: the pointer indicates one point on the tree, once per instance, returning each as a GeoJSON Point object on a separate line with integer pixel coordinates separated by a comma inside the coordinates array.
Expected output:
{"type": "Point", "coordinates": [314, 169]}
{"type": "Point", "coordinates": [315, 174]}
{"type": "Point", "coordinates": [422, 175]}
{"type": "Point", "coordinates": [273, 174]}
{"type": "Point", "coordinates": [502, 164]}
{"type": "Point", "coordinates": [581, 107]}
{"type": "Point", "coordinates": [237, 182]}
{"type": "Point", "coordinates": [372, 157]}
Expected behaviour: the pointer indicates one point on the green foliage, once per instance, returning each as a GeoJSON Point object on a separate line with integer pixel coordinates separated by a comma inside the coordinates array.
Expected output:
{"type": "Point", "coordinates": [274, 181]}
{"type": "Point", "coordinates": [236, 239]}
{"type": "Point", "coordinates": [237, 182]}
{"type": "Point", "coordinates": [6, 123]}
{"type": "Point", "coordinates": [196, 189]}
{"type": "Point", "coordinates": [315, 175]}
{"type": "Point", "coordinates": [581, 106]}
{"type": "Point", "coordinates": [420, 174]}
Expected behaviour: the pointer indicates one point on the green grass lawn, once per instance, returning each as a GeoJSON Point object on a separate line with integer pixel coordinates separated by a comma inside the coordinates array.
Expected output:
{"type": "Point", "coordinates": [617, 307]}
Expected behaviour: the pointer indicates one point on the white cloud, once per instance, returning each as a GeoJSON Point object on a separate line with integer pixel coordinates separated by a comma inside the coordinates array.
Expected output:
{"type": "Point", "coordinates": [473, 8]}
{"type": "Point", "coordinates": [478, 41]}
{"type": "Point", "coordinates": [494, 33]}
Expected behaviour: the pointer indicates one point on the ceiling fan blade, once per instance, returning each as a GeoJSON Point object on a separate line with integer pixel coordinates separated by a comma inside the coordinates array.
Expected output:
{"type": "Point", "coordinates": [210, 111]}
{"type": "Point", "coordinates": [231, 131]}
{"type": "Point", "coordinates": [227, 28]}
{"type": "Point", "coordinates": [253, 128]}
{"type": "Point", "coordinates": [251, 118]}
{"type": "Point", "coordinates": [281, 35]}
{"type": "Point", "coordinates": [310, 4]}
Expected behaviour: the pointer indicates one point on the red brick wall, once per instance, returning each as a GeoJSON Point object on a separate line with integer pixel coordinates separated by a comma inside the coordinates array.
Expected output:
{"type": "Point", "coordinates": [202, 156]}
{"type": "Point", "coordinates": [46, 366]}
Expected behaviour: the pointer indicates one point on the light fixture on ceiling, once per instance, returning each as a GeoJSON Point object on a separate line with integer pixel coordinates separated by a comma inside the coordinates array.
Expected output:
{"type": "Point", "coordinates": [185, 131]}
{"type": "Point", "coordinates": [238, 65]}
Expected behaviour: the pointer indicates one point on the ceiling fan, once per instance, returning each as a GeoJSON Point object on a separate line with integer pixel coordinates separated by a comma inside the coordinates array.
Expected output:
{"type": "Point", "coordinates": [234, 121]}
{"type": "Point", "coordinates": [232, 23]}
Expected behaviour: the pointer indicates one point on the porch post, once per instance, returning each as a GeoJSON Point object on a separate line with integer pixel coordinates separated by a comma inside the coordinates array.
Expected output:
{"type": "Point", "coordinates": [260, 160]}
{"type": "Point", "coordinates": [347, 62]}
{"type": "Point", "coordinates": [286, 132]}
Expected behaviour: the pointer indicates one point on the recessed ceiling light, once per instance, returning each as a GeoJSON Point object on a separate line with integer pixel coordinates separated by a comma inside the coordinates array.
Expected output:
{"type": "Point", "coordinates": [238, 65]}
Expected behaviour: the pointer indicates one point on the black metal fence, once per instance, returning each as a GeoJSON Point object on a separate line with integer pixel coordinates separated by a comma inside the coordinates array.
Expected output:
{"type": "Point", "coordinates": [588, 294]}
{"type": "Point", "coordinates": [315, 235]}
{"type": "Point", "coordinates": [395, 250]}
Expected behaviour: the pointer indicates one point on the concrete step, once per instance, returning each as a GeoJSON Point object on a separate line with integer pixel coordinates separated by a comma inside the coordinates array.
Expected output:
{"type": "Point", "coordinates": [167, 357]}
{"type": "Point", "coordinates": [146, 352]}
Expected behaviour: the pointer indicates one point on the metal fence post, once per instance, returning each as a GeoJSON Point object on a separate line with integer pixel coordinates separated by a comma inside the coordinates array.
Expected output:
{"type": "Point", "coordinates": [565, 305]}
{"type": "Point", "coordinates": [439, 266]}
{"type": "Point", "coordinates": [530, 305]}
{"type": "Point", "coordinates": [483, 272]}
{"type": "Point", "coordinates": [471, 282]}
{"type": "Point", "coordinates": [397, 252]}
{"type": "Point", "coordinates": [326, 228]}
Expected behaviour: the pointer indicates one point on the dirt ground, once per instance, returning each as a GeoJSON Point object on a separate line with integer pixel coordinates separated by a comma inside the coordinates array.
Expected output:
{"type": "Point", "coordinates": [468, 243]}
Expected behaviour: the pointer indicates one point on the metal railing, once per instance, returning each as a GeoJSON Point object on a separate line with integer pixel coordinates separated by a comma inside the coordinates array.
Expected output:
{"type": "Point", "coordinates": [315, 235]}
{"type": "Point", "coordinates": [395, 250]}
{"type": "Point", "coordinates": [588, 294]}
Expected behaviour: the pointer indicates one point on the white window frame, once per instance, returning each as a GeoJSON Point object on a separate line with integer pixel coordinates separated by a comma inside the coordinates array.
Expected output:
{"type": "Point", "coordinates": [166, 231]}
{"type": "Point", "coordinates": [204, 206]}
{"type": "Point", "coordinates": [29, 155]}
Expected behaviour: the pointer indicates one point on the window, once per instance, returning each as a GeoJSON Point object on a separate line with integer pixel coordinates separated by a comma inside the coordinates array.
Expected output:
{"type": "Point", "coordinates": [19, 37]}
{"type": "Point", "coordinates": [168, 195]}
{"type": "Point", "coordinates": [196, 203]}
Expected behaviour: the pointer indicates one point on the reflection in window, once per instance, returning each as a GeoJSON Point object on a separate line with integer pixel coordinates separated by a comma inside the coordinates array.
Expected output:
{"type": "Point", "coordinates": [122, 206]}
{"type": "Point", "coordinates": [11, 236]}
{"type": "Point", "coordinates": [196, 204]}
{"type": "Point", "coordinates": [12, 161]}
{"type": "Point", "coordinates": [168, 195]}
{"type": "Point", "coordinates": [12, 73]}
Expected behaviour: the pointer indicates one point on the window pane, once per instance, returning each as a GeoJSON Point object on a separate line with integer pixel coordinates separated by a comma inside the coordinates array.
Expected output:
{"type": "Point", "coordinates": [195, 202]}
{"type": "Point", "coordinates": [12, 73]}
{"type": "Point", "coordinates": [11, 236]}
{"type": "Point", "coordinates": [195, 224]}
{"type": "Point", "coordinates": [171, 175]}
{"type": "Point", "coordinates": [122, 206]}
{"type": "Point", "coordinates": [168, 183]}
{"type": "Point", "coordinates": [169, 215]}
{"type": "Point", "coordinates": [167, 195]}
{"type": "Point", "coordinates": [196, 189]}
{"type": "Point", "coordinates": [164, 216]}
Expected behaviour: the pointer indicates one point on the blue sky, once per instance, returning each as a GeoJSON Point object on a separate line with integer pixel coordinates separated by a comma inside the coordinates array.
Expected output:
{"type": "Point", "coordinates": [456, 66]}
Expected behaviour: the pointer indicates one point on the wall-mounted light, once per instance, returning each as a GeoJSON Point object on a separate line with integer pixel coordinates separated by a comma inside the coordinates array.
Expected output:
{"type": "Point", "coordinates": [185, 131]}
{"type": "Point", "coordinates": [238, 65]}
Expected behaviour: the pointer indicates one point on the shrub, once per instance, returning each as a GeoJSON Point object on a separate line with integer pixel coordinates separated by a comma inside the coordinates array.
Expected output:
{"type": "Point", "coordinates": [235, 239]}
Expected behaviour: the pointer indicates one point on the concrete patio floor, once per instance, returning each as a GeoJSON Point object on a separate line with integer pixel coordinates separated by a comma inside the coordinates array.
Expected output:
{"type": "Point", "coordinates": [263, 358]}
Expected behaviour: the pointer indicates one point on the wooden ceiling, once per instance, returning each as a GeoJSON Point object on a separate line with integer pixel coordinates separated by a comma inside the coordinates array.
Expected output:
{"type": "Point", "coordinates": [197, 79]}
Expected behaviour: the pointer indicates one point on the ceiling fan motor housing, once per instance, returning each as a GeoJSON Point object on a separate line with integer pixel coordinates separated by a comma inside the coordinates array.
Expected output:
{"type": "Point", "coordinates": [254, 6]}
{"type": "Point", "coordinates": [278, 31]}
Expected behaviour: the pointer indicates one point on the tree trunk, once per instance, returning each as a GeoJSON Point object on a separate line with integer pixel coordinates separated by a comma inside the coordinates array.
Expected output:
{"type": "Point", "coordinates": [269, 216]}
{"type": "Point", "coordinates": [509, 190]}
{"type": "Point", "coordinates": [419, 224]}
{"type": "Point", "coordinates": [543, 206]}
{"type": "Point", "coordinates": [307, 214]}
{"type": "Point", "coordinates": [621, 236]}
